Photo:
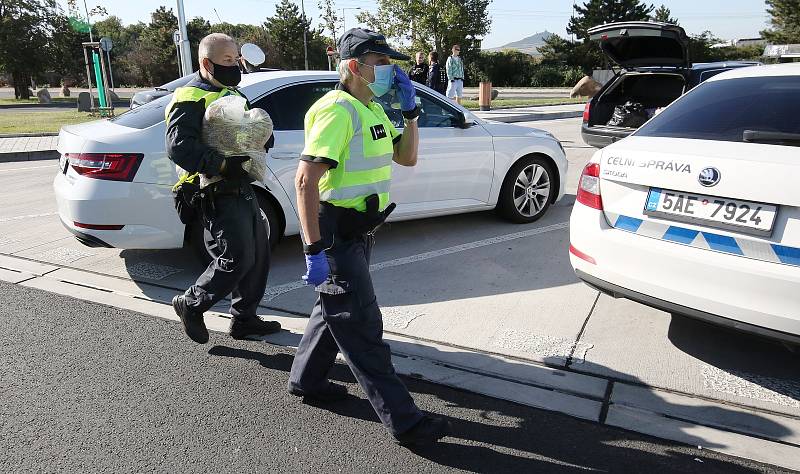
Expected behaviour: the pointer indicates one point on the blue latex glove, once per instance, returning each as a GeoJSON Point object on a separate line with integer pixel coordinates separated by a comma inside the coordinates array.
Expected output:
{"type": "Point", "coordinates": [406, 92]}
{"type": "Point", "coordinates": [317, 269]}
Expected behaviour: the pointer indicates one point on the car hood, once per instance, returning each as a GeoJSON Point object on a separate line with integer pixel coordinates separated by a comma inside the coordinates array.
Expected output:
{"type": "Point", "coordinates": [633, 44]}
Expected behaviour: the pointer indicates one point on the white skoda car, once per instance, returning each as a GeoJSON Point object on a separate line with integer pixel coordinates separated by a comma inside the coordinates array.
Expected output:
{"type": "Point", "coordinates": [698, 212]}
{"type": "Point", "coordinates": [115, 180]}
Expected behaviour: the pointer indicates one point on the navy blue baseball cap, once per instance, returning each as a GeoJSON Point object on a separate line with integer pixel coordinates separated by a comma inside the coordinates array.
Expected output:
{"type": "Point", "coordinates": [359, 41]}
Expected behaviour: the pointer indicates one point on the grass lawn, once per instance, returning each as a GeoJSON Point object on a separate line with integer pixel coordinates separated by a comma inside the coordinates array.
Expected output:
{"type": "Point", "coordinates": [505, 103]}
{"type": "Point", "coordinates": [34, 100]}
{"type": "Point", "coordinates": [12, 121]}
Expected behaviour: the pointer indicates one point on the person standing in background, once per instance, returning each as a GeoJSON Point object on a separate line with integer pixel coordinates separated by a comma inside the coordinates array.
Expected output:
{"type": "Point", "coordinates": [419, 71]}
{"type": "Point", "coordinates": [437, 77]}
{"type": "Point", "coordinates": [455, 74]}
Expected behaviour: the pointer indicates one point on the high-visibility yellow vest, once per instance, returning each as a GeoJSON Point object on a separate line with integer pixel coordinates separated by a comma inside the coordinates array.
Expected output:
{"type": "Point", "coordinates": [194, 94]}
{"type": "Point", "coordinates": [360, 139]}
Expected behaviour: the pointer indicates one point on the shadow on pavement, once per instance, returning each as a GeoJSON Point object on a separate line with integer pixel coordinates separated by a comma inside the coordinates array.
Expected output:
{"type": "Point", "coordinates": [514, 438]}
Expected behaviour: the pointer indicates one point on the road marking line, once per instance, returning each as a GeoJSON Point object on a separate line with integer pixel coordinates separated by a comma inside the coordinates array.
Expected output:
{"type": "Point", "coordinates": [29, 168]}
{"type": "Point", "coordinates": [29, 216]}
{"type": "Point", "coordinates": [275, 291]}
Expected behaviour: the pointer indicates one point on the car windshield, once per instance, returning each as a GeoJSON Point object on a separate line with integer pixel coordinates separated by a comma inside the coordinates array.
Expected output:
{"type": "Point", "coordinates": [144, 116]}
{"type": "Point", "coordinates": [724, 110]}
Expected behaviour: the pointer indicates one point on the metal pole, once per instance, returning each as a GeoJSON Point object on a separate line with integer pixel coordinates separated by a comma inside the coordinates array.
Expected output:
{"type": "Point", "coordinates": [110, 74]}
{"type": "Point", "coordinates": [106, 91]}
{"type": "Point", "coordinates": [180, 64]}
{"type": "Point", "coordinates": [305, 38]}
{"type": "Point", "coordinates": [88, 76]}
{"type": "Point", "coordinates": [186, 52]}
{"type": "Point", "coordinates": [88, 22]}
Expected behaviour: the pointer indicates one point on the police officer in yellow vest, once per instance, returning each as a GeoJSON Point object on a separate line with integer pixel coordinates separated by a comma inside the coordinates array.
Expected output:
{"type": "Point", "coordinates": [230, 210]}
{"type": "Point", "coordinates": [342, 184]}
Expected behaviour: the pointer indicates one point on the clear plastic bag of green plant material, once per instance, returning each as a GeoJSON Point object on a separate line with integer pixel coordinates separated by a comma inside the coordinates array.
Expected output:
{"type": "Point", "coordinates": [232, 129]}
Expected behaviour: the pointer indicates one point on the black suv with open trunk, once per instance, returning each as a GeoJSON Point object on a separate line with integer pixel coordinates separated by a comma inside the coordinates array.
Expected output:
{"type": "Point", "coordinates": [656, 70]}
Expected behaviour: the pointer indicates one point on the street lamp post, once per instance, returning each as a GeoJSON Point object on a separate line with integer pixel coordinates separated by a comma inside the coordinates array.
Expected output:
{"type": "Point", "coordinates": [305, 36]}
{"type": "Point", "coordinates": [344, 20]}
{"type": "Point", "coordinates": [185, 49]}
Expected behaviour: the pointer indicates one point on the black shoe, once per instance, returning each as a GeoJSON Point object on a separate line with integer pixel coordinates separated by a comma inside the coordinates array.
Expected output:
{"type": "Point", "coordinates": [428, 430]}
{"type": "Point", "coordinates": [332, 393]}
{"type": "Point", "coordinates": [253, 327]}
{"type": "Point", "coordinates": [192, 321]}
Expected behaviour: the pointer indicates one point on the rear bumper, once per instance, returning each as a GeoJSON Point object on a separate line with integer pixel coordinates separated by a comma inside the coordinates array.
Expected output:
{"type": "Point", "coordinates": [145, 211]}
{"type": "Point", "coordinates": [745, 294]}
{"type": "Point", "coordinates": [599, 137]}
{"type": "Point", "coordinates": [616, 291]}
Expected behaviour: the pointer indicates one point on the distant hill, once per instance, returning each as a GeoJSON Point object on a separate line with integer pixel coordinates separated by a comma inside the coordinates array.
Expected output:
{"type": "Point", "coordinates": [529, 45]}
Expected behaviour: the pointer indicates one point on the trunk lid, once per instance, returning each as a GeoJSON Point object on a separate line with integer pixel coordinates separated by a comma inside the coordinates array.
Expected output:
{"type": "Point", "coordinates": [635, 44]}
{"type": "Point", "coordinates": [754, 172]}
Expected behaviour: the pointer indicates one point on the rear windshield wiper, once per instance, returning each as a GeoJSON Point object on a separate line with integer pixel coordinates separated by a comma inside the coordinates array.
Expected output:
{"type": "Point", "coordinates": [757, 136]}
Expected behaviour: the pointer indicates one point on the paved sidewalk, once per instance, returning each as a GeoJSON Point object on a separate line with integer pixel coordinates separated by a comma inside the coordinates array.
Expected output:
{"type": "Point", "coordinates": [28, 148]}
{"type": "Point", "coordinates": [526, 114]}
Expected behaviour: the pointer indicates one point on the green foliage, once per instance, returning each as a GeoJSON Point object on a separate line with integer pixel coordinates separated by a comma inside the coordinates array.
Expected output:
{"type": "Point", "coordinates": [433, 25]}
{"type": "Point", "coordinates": [702, 50]}
{"type": "Point", "coordinates": [785, 21]}
{"type": "Point", "coordinates": [664, 14]}
{"type": "Point", "coordinates": [598, 12]}
{"type": "Point", "coordinates": [286, 29]}
{"type": "Point", "coordinates": [516, 69]}
{"type": "Point", "coordinates": [25, 28]}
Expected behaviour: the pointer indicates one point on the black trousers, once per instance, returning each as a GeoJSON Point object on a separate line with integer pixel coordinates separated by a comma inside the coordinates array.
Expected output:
{"type": "Point", "coordinates": [346, 319]}
{"type": "Point", "coordinates": [242, 265]}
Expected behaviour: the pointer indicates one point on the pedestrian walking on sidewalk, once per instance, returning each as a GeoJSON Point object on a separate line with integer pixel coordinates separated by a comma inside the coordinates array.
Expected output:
{"type": "Point", "coordinates": [455, 74]}
{"type": "Point", "coordinates": [342, 187]}
{"type": "Point", "coordinates": [229, 208]}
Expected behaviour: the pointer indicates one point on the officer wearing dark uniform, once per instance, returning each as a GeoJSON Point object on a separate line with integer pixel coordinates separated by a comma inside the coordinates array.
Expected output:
{"type": "Point", "coordinates": [230, 210]}
{"type": "Point", "coordinates": [342, 186]}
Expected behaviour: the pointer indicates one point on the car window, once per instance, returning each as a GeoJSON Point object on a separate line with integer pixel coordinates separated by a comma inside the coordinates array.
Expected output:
{"type": "Point", "coordinates": [145, 115]}
{"type": "Point", "coordinates": [288, 106]}
{"type": "Point", "coordinates": [723, 110]}
{"type": "Point", "coordinates": [433, 112]}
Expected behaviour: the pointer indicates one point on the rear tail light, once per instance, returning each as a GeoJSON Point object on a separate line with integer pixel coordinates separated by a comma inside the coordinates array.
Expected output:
{"type": "Point", "coordinates": [589, 187]}
{"type": "Point", "coordinates": [587, 109]}
{"type": "Point", "coordinates": [108, 166]}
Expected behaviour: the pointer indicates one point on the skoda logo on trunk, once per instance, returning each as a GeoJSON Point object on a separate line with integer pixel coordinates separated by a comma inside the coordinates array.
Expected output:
{"type": "Point", "coordinates": [709, 177]}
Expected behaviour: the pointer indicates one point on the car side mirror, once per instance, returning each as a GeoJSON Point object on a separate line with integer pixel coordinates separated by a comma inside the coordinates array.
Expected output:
{"type": "Point", "coordinates": [460, 120]}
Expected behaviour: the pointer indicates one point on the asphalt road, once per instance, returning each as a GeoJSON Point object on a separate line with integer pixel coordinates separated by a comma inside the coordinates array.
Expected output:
{"type": "Point", "coordinates": [90, 388]}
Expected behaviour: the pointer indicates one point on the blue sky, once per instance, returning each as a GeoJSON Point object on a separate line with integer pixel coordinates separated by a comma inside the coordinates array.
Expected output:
{"type": "Point", "coordinates": [511, 19]}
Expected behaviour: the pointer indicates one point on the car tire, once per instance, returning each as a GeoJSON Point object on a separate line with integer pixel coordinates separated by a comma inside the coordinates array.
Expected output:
{"type": "Point", "coordinates": [203, 243]}
{"type": "Point", "coordinates": [527, 190]}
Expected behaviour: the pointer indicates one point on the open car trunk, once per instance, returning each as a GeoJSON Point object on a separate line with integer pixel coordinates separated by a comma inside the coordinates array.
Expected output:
{"type": "Point", "coordinates": [643, 92]}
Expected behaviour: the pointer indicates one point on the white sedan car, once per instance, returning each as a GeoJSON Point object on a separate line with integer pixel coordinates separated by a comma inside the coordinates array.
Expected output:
{"type": "Point", "coordinates": [698, 212]}
{"type": "Point", "coordinates": [115, 180]}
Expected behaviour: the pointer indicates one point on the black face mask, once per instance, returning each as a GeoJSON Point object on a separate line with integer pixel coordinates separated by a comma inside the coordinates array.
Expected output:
{"type": "Point", "coordinates": [227, 75]}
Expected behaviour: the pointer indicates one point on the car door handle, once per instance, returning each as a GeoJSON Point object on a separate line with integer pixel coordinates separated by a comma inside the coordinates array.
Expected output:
{"type": "Point", "coordinates": [284, 155]}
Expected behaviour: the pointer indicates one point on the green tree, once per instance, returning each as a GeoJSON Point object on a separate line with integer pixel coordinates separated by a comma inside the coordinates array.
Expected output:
{"type": "Point", "coordinates": [25, 28]}
{"type": "Point", "coordinates": [664, 14]}
{"type": "Point", "coordinates": [587, 55]}
{"type": "Point", "coordinates": [286, 29]}
{"type": "Point", "coordinates": [785, 21]}
{"type": "Point", "coordinates": [155, 60]}
{"type": "Point", "coordinates": [329, 18]}
{"type": "Point", "coordinates": [433, 24]}
{"type": "Point", "coordinates": [196, 29]}
{"type": "Point", "coordinates": [65, 51]}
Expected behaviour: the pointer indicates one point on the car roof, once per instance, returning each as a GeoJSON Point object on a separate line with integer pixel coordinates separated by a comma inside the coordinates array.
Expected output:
{"type": "Point", "coordinates": [789, 69]}
{"type": "Point", "coordinates": [723, 64]}
{"type": "Point", "coordinates": [261, 76]}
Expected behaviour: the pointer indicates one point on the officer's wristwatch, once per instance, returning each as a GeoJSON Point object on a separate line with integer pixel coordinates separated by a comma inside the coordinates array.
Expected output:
{"type": "Point", "coordinates": [313, 248]}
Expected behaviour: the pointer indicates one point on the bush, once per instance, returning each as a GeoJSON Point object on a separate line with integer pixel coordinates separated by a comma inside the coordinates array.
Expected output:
{"type": "Point", "coordinates": [547, 76]}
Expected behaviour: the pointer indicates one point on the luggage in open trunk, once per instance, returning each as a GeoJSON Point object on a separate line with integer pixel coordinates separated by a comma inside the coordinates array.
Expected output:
{"type": "Point", "coordinates": [637, 94]}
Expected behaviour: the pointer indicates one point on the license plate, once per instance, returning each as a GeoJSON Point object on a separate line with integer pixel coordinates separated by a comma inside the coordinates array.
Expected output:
{"type": "Point", "coordinates": [731, 214]}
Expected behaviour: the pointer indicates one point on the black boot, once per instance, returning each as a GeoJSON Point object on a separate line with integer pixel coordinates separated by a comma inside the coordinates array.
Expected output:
{"type": "Point", "coordinates": [429, 429]}
{"type": "Point", "coordinates": [331, 393]}
{"type": "Point", "coordinates": [252, 327]}
{"type": "Point", "coordinates": [192, 321]}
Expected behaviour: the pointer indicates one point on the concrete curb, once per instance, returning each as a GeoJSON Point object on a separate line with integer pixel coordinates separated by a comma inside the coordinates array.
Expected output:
{"type": "Point", "coordinates": [29, 156]}
{"type": "Point", "coordinates": [25, 135]}
{"type": "Point", "coordinates": [58, 105]}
